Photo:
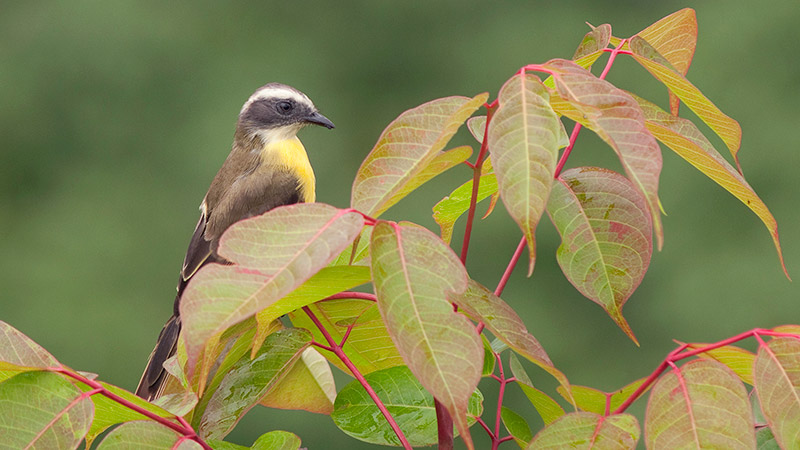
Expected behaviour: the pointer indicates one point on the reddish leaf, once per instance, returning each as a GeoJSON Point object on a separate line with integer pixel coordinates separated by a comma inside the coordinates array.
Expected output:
{"type": "Point", "coordinates": [616, 117]}
{"type": "Point", "coordinates": [590, 431]}
{"type": "Point", "coordinates": [274, 253]}
{"type": "Point", "coordinates": [606, 237]}
{"type": "Point", "coordinates": [592, 46]}
{"type": "Point", "coordinates": [524, 137]}
{"type": "Point", "coordinates": [414, 273]}
{"type": "Point", "coordinates": [683, 137]}
{"type": "Point", "coordinates": [777, 381]}
{"type": "Point", "coordinates": [700, 405]}
{"type": "Point", "coordinates": [20, 350]}
{"type": "Point", "coordinates": [400, 160]}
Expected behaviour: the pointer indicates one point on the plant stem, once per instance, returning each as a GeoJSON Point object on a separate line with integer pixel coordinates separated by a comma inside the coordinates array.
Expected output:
{"type": "Point", "coordinates": [680, 353]}
{"type": "Point", "coordinates": [337, 350]}
{"type": "Point", "coordinates": [476, 180]}
{"type": "Point", "coordinates": [444, 426]}
{"type": "Point", "coordinates": [184, 429]}
{"type": "Point", "coordinates": [510, 268]}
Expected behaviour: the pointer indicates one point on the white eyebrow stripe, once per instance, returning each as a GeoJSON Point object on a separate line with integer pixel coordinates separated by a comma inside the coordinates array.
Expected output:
{"type": "Point", "coordinates": [277, 92]}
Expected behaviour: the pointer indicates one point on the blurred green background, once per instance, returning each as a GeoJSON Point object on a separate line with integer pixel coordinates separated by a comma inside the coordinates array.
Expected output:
{"type": "Point", "coordinates": [116, 115]}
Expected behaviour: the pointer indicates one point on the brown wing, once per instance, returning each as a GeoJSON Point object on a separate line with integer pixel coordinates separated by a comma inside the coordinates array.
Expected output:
{"type": "Point", "coordinates": [244, 199]}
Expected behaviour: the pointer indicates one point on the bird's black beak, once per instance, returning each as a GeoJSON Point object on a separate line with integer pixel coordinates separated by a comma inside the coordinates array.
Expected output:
{"type": "Point", "coordinates": [318, 119]}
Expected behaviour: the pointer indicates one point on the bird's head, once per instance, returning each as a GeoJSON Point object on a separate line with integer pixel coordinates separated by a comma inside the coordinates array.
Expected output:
{"type": "Point", "coordinates": [277, 112]}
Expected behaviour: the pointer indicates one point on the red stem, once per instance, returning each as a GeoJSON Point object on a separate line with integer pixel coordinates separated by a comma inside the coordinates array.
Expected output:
{"type": "Point", "coordinates": [510, 268]}
{"type": "Point", "coordinates": [337, 350]}
{"type": "Point", "coordinates": [476, 180]}
{"type": "Point", "coordinates": [680, 353]}
{"type": "Point", "coordinates": [184, 429]}
{"type": "Point", "coordinates": [572, 138]}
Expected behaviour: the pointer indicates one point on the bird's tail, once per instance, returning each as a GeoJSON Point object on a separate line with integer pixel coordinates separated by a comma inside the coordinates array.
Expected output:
{"type": "Point", "coordinates": [154, 377]}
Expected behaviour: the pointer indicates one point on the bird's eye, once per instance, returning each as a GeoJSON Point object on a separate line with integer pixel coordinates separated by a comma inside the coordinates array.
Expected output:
{"type": "Point", "coordinates": [284, 107]}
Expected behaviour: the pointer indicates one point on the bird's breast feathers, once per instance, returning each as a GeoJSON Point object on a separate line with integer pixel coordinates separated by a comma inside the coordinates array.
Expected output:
{"type": "Point", "coordinates": [290, 154]}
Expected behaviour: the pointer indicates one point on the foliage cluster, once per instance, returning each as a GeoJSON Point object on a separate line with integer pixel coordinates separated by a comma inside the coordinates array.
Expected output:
{"type": "Point", "coordinates": [422, 338]}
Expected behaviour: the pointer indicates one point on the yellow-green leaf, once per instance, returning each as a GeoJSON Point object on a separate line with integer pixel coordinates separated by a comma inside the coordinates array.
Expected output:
{"type": "Point", "coordinates": [683, 137]}
{"type": "Point", "coordinates": [727, 128]}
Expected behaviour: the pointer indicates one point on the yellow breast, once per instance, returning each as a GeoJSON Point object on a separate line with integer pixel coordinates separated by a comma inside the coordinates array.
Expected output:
{"type": "Point", "coordinates": [291, 155]}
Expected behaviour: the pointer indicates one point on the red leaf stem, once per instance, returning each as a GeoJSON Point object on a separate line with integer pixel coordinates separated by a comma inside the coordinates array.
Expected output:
{"type": "Point", "coordinates": [476, 180]}
{"type": "Point", "coordinates": [510, 268]}
{"type": "Point", "coordinates": [337, 350]}
{"type": "Point", "coordinates": [680, 353]}
{"type": "Point", "coordinates": [183, 428]}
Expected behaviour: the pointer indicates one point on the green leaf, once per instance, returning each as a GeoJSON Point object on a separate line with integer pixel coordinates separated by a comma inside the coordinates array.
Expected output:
{"type": "Point", "coordinates": [326, 282]}
{"type": "Point", "coordinates": [549, 410]}
{"type": "Point", "coordinates": [308, 386]}
{"type": "Point", "coordinates": [248, 381]}
{"type": "Point", "coordinates": [277, 440]}
{"type": "Point", "coordinates": [683, 137]}
{"type": "Point", "coordinates": [592, 46]}
{"type": "Point", "coordinates": [606, 236]}
{"type": "Point", "coordinates": [489, 360]}
{"type": "Point", "coordinates": [369, 345]}
{"type": "Point", "coordinates": [674, 37]}
{"type": "Point", "coordinates": [406, 400]}
{"type": "Point", "coordinates": [594, 400]}
{"type": "Point", "coordinates": [702, 404]}
{"type": "Point", "coordinates": [222, 445]}
{"type": "Point", "coordinates": [765, 440]}
{"type": "Point", "coordinates": [361, 247]}
{"type": "Point", "coordinates": [499, 318]}
{"type": "Point", "coordinates": [516, 426]}
{"type": "Point", "coordinates": [587, 430]}
{"type": "Point", "coordinates": [414, 273]}
{"type": "Point", "coordinates": [777, 382]}
{"type": "Point", "coordinates": [524, 137]}
{"type": "Point", "coordinates": [42, 410]}
{"type": "Point", "coordinates": [20, 350]}
{"type": "Point", "coordinates": [272, 254]}
{"type": "Point", "coordinates": [616, 117]}
{"type": "Point", "coordinates": [739, 360]}
{"type": "Point", "coordinates": [450, 208]}
{"type": "Point", "coordinates": [400, 160]}
{"type": "Point", "coordinates": [726, 128]}
{"type": "Point", "coordinates": [144, 435]}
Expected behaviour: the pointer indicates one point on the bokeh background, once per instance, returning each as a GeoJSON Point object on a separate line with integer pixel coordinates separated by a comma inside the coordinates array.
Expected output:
{"type": "Point", "coordinates": [114, 117]}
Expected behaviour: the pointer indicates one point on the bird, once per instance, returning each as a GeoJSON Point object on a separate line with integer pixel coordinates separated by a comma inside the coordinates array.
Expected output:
{"type": "Point", "coordinates": [267, 167]}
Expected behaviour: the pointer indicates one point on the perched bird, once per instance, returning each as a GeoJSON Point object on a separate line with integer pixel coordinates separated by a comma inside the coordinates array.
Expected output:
{"type": "Point", "coordinates": [267, 167]}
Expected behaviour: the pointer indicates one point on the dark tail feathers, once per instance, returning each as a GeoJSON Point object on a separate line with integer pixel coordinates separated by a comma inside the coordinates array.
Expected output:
{"type": "Point", "coordinates": [154, 377]}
